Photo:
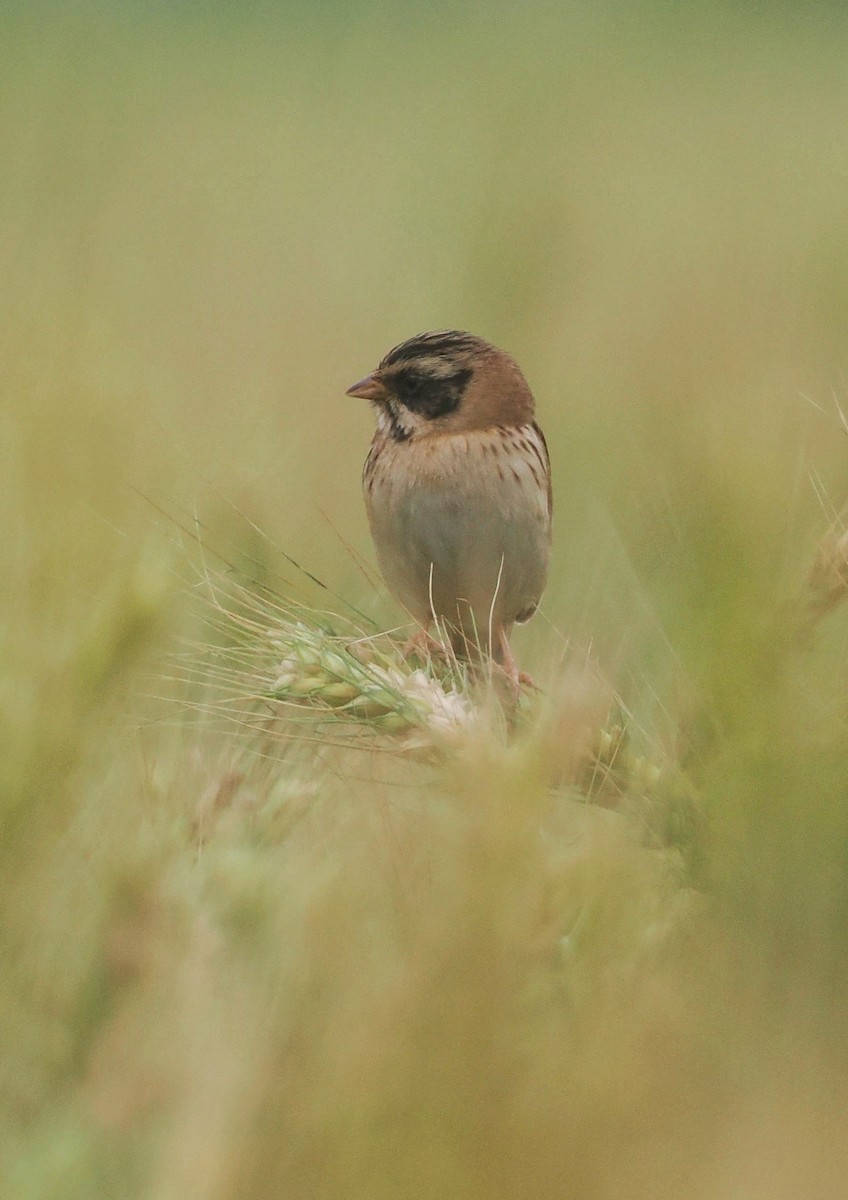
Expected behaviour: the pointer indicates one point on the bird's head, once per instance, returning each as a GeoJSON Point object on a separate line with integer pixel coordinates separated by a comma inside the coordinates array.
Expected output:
{"type": "Point", "coordinates": [446, 382]}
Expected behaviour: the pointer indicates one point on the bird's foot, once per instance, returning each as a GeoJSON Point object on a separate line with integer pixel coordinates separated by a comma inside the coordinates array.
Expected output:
{"type": "Point", "coordinates": [423, 645]}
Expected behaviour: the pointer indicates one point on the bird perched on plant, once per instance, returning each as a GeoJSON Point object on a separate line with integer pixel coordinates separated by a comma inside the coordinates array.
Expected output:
{"type": "Point", "coordinates": [458, 490]}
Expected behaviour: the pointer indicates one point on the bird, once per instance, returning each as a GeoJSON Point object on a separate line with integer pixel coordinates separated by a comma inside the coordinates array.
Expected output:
{"type": "Point", "coordinates": [457, 487]}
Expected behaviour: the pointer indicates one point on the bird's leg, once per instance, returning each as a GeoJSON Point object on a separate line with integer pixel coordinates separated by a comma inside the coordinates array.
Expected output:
{"type": "Point", "coordinates": [509, 666]}
{"type": "Point", "coordinates": [423, 644]}
{"type": "Point", "coordinates": [506, 661]}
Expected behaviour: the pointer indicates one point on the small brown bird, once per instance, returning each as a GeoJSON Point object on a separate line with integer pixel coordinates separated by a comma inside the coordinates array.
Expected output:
{"type": "Point", "coordinates": [458, 490]}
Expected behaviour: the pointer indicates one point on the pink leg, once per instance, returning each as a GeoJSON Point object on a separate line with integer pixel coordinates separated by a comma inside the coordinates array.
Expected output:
{"type": "Point", "coordinates": [423, 644]}
{"type": "Point", "coordinates": [506, 659]}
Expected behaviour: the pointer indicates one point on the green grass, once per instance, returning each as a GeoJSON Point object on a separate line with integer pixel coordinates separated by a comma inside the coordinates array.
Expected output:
{"type": "Point", "coordinates": [262, 937]}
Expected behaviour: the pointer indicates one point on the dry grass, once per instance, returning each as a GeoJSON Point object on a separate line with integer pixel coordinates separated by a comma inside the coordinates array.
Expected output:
{"type": "Point", "coordinates": [280, 916]}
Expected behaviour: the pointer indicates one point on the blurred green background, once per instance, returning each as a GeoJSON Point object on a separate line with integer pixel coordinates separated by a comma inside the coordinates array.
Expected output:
{"type": "Point", "coordinates": [215, 217]}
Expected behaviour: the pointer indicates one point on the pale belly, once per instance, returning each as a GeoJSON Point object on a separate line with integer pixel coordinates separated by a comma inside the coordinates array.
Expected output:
{"type": "Point", "coordinates": [460, 540]}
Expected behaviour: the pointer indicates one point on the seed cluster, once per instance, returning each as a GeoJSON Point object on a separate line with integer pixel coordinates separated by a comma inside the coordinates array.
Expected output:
{"type": "Point", "coordinates": [357, 681]}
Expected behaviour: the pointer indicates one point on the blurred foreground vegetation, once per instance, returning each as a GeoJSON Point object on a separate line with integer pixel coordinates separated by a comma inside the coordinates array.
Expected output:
{"type": "Point", "coordinates": [251, 952]}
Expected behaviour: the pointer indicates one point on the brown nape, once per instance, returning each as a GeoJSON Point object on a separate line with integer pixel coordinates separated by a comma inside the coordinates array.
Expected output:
{"type": "Point", "coordinates": [497, 394]}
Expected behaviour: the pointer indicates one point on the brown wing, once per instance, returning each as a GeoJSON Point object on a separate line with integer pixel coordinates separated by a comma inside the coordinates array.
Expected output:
{"type": "Point", "coordinates": [545, 460]}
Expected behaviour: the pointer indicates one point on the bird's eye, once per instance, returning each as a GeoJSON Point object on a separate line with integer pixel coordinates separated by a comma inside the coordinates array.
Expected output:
{"type": "Point", "coordinates": [412, 385]}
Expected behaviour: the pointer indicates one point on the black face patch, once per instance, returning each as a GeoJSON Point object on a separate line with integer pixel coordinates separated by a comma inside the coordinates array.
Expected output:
{"type": "Point", "coordinates": [429, 396]}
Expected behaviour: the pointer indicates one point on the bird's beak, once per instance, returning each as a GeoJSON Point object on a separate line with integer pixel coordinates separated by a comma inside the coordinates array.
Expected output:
{"type": "Point", "coordinates": [369, 388]}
